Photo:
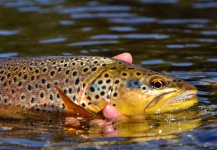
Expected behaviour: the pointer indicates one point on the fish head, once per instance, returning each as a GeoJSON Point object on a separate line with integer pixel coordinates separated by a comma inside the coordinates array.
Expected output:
{"type": "Point", "coordinates": [135, 91]}
{"type": "Point", "coordinates": [152, 92]}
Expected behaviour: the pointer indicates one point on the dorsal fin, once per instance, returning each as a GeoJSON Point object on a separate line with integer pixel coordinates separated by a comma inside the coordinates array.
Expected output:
{"type": "Point", "coordinates": [71, 107]}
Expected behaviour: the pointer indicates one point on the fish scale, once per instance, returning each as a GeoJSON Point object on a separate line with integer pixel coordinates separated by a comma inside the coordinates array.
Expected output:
{"type": "Point", "coordinates": [29, 82]}
{"type": "Point", "coordinates": [89, 81]}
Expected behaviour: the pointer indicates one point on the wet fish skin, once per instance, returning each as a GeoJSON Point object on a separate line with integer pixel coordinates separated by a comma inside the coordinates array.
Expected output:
{"type": "Point", "coordinates": [91, 82]}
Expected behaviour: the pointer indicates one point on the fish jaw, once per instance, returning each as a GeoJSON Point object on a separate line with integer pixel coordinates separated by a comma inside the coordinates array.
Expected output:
{"type": "Point", "coordinates": [177, 100]}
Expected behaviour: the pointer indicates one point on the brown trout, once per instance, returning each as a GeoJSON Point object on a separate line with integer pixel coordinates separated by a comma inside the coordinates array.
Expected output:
{"type": "Point", "coordinates": [88, 83]}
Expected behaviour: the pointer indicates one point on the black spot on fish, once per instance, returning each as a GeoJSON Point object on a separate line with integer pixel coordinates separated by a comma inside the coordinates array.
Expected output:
{"type": "Point", "coordinates": [15, 79]}
{"type": "Point", "coordinates": [51, 97]}
{"type": "Point", "coordinates": [32, 77]}
{"type": "Point", "coordinates": [82, 63]}
{"type": "Point", "coordinates": [44, 69]}
{"type": "Point", "coordinates": [58, 96]}
{"type": "Point", "coordinates": [74, 98]}
{"type": "Point", "coordinates": [77, 81]}
{"type": "Point", "coordinates": [130, 68]}
{"type": "Point", "coordinates": [96, 96]}
{"type": "Point", "coordinates": [108, 81]}
{"type": "Point", "coordinates": [103, 65]}
{"type": "Point", "coordinates": [8, 75]}
{"type": "Point", "coordinates": [138, 73]}
{"type": "Point", "coordinates": [63, 106]}
{"type": "Point", "coordinates": [23, 97]}
{"type": "Point", "coordinates": [67, 80]}
{"type": "Point", "coordinates": [117, 81]}
{"type": "Point", "coordinates": [48, 85]}
{"type": "Point", "coordinates": [33, 99]}
{"type": "Point", "coordinates": [52, 73]}
{"type": "Point", "coordinates": [94, 69]}
{"type": "Point", "coordinates": [2, 78]}
{"type": "Point", "coordinates": [78, 90]}
{"type": "Point", "coordinates": [12, 91]}
{"type": "Point", "coordinates": [6, 100]}
{"type": "Point", "coordinates": [70, 90]}
{"type": "Point", "coordinates": [100, 82]}
{"type": "Point", "coordinates": [20, 83]}
{"type": "Point", "coordinates": [15, 68]}
{"type": "Point", "coordinates": [143, 88]}
{"type": "Point", "coordinates": [85, 69]}
{"type": "Point", "coordinates": [65, 65]}
{"type": "Point", "coordinates": [67, 71]}
{"type": "Point", "coordinates": [43, 81]}
{"type": "Point", "coordinates": [106, 75]}
{"type": "Point", "coordinates": [65, 91]}
{"type": "Point", "coordinates": [92, 89]}
{"type": "Point", "coordinates": [89, 98]}
{"type": "Point", "coordinates": [115, 94]}
{"type": "Point", "coordinates": [36, 71]}
{"type": "Point", "coordinates": [59, 69]}
{"type": "Point", "coordinates": [74, 73]}
{"type": "Point", "coordinates": [83, 104]}
{"type": "Point", "coordinates": [42, 94]}
{"type": "Point", "coordinates": [102, 93]}
{"type": "Point", "coordinates": [20, 74]}
{"type": "Point", "coordinates": [30, 87]}
{"type": "Point", "coordinates": [124, 74]}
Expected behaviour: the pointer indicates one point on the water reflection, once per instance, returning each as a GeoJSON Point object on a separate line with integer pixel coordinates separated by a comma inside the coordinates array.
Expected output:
{"type": "Point", "coordinates": [8, 32]}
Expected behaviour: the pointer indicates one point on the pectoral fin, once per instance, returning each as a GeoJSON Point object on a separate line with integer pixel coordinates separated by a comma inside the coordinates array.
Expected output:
{"type": "Point", "coordinates": [72, 108]}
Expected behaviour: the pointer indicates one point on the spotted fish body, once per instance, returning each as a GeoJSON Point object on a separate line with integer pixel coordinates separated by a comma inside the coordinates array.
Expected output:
{"type": "Point", "coordinates": [91, 82]}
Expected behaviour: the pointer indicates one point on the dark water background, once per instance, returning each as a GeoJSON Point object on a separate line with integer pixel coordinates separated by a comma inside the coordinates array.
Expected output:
{"type": "Point", "coordinates": [176, 37]}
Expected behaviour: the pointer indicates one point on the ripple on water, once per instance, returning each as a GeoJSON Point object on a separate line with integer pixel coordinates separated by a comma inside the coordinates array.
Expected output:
{"type": "Point", "coordinates": [182, 64]}
{"type": "Point", "coordinates": [145, 36]}
{"type": "Point", "coordinates": [159, 1]}
{"type": "Point", "coordinates": [9, 32]}
{"type": "Point", "coordinates": [152, 62]}
{"type": "Point", "coordinates": [183, 21]}
{"type": "Point", "coordinates": [101, 8]}
{"type": "Point", "coordinates": [53, 40]}
{"type": "Point", "coordinates": [212, 59]}
{"type": "Point", "coordinates": [122, 28]}
{"type": "Point", "coordinates": [11, 54]}
{"type": "Point", "coordinates": [134, 20]}
{"type": "Point", "coordinates": [206, 40]}
{"type": "Point", "coordinates": [180, 46]}
{"type": "Point", "coordinates": [209, 32]}
{"type": "Point", "coordinates": [89, 43]}
{"type": "Point", "coordinates": [204, 5]}
{"type": "Point", "coordinates": [105, 36]}
{"type": "Point", "coordinates": [100, 15]}
{"type": "Point", "coordinates": [66, 22]}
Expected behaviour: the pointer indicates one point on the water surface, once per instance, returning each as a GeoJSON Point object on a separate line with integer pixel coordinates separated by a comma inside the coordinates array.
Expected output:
{"type": "Point", "coordinates": [170, 36]}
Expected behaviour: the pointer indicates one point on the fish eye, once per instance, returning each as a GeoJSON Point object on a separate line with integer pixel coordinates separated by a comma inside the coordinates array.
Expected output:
{"type": "Point", "coordinates": [157, 84]}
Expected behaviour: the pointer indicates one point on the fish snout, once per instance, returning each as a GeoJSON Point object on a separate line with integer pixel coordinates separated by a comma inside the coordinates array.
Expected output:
{"type": "Point", "coordinates": [184, 86]}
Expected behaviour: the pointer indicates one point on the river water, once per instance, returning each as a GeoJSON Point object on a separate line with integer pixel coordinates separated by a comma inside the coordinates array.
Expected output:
{"type": "Point", "coordinates": [175, 37]}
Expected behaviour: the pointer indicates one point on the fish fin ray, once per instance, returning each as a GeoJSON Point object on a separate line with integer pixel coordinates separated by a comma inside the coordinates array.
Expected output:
{"type": "Point", "coordinates": [71, 107]}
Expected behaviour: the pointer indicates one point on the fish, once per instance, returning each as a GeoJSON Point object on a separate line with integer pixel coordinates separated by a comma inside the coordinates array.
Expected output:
{"type": "Point", "coordinates": [84, 85]}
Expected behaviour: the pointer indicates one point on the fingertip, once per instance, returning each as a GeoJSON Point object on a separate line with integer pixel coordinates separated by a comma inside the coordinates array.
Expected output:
{"type": "Point", "coordinates": [125, 57]}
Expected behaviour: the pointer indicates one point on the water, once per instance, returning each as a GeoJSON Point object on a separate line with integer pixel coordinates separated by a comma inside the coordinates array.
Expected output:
{"type": "Point", "coordinates": [170, 36]}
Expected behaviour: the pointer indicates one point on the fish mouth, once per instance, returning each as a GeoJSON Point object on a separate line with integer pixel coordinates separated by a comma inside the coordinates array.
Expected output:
{"type": "Point", "coordinates": [169, 102]}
